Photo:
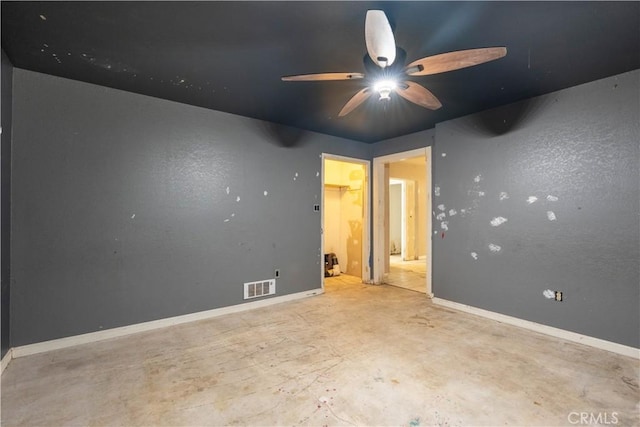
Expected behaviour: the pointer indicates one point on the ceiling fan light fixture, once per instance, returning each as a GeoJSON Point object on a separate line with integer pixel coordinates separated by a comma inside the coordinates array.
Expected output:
{"type": "Point", "coordinates": [384, 88]}
{"type": "Point", "coordinates": [379, 60]}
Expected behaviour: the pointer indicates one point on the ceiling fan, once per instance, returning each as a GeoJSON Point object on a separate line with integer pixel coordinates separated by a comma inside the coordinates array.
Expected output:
{"type": "Point", "coordinates": [384, 64]}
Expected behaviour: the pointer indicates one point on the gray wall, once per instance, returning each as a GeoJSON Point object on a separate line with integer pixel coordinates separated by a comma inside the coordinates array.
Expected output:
{"type": "Point", "coordinates": [578, 145]}
{"type": "Point", "coordinates": [5, 203]}
{"type": "Point", "coordinates": [121, 212]}
{"type": "Point", "coordinates": [120, 202]}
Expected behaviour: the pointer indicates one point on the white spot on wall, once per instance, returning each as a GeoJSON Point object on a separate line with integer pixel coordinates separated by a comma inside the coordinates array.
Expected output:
{"type": "Point", "coordinates": [435, 232]}
{"type": "Point", "coordinates": [238, 199]}
{"type": "Point", "coordinates": [532, 199]}
{"type": "Point", "coordinates": [441, 207]}
{"type": "Point", "coordinates": [317, 173]}
{"type": "Point", "coordinates": [44, 18]}
{"type": "Point", "coordinates": [548, 293]}
{"type": "Point", "coordinates": [474, 255]}
{"type": "Point", "coordinates": [226, 220]}
{"type": "Point", "coordinates": [494, 248]}
{"type": "Point", "coordinates": [503, 196]}
{"type": "Point", "coordinates": [453, 212]}
{"type": "Point", "coordinates": [444, 225]}
{"type": "Point", "coordinates": [436, 191]}
{"type": "Point", "coordinates": [232, 215]}
{"type": "Point", "coordinates": [551, 216]}
{"type": "Point", "coordinates": [552, 198]}
{"type": "Point", "coordinates": [227, 190]}
{"type": "Point", "coordinates": [295, 176]}
{"type": "Point", "coordinates": [499, 220]}
{"type": "Point", "coordinates": [481, 193]}
{"type": "Point", "coordinates": [478, 178]}
{"type": "Point", "coordinates": [133, 216]}
{"type": "Point", "coordinates": [444, 154]}
{"type": "Point", "coordinates": [463, 211]}
{"type": "Point", "coordinates": [441, 216]}
{"type": "Point", "coordinates": [266, 193]}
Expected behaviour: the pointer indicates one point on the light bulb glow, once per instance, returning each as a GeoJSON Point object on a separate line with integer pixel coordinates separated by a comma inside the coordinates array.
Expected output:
{"type": "Point", "coordinates": [384, 88]}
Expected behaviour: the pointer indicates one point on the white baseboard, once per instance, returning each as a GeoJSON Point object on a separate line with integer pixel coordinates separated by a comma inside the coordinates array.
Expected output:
{"type": "Point", "coordinates": [548, 330]}
{"type": "Point", "coordinates": [91, 337]}
{"type": "Point", "coordinates": [5, 360]}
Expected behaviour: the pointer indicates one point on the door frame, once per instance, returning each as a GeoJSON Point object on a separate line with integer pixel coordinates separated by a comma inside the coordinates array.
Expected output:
{"type": "Point", "coordinates": [380, 226]}
{"type": "Point", "coordinates": [366, 220]}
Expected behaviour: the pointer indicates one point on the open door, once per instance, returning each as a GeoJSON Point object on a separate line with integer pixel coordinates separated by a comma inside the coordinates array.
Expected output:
{"type": "Point", "coordinates": [413, 169]}
{"type": "Point", "coordinates": [409, 251]}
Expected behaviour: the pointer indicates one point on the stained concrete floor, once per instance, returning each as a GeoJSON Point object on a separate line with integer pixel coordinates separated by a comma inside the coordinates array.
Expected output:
{"type": "Point", "coordinates": [357, 355]}
{"type": "Point", "coordinates": [407, 274]}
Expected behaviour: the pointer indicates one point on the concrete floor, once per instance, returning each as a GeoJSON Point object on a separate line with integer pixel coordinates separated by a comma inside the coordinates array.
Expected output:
{"type": "Point", "coordinates": [357, 355]}
{"type": "Point", "coordinates": [407, 274]}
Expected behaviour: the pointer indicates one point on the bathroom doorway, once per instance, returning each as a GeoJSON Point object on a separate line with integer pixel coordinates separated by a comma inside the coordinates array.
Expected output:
{"type": "Point", "coordinates": [402, 221]}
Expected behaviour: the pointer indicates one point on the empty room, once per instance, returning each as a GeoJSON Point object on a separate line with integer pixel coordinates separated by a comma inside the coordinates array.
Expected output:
{"type": "Point", "coordinates": [268, 213]}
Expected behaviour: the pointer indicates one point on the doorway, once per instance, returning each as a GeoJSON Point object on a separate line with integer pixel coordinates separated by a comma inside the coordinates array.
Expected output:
{"type": "Point", "coordinates": [402, 221]}
{"type": "Point", "coordinates": [345, 239]}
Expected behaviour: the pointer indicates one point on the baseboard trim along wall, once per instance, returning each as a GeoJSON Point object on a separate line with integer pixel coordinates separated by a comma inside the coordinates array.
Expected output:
{"type": "Point", "coordinates": [5, 360]}
{"type": "Point", "coordinates": [544, 329]}
{"type": "Point", "coordinates": [91, 337]}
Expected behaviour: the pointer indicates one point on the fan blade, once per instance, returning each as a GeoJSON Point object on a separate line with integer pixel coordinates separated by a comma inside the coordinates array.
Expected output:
{"type": "Point", "coordinates": [356, 100]}
{"type": "Point", "coordinates": [378, 35]}
{"type": "Point", "coordinates": [323, 77]}
{"type": "Point", "coordinates": [454, 60]}
{"type": "Point", "coordinates": [418, 95]}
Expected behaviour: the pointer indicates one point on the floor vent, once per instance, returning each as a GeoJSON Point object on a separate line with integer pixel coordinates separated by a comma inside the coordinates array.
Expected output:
{"type": "Point", "coordinates": [259, 289]}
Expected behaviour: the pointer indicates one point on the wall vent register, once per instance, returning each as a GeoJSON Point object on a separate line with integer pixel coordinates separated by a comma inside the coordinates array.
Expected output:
{"type": "Point", "coordinates": [260, 288]}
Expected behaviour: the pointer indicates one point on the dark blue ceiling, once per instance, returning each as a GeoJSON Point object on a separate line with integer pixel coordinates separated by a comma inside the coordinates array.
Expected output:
{"type": "Point", "coordinates": [229, 56]}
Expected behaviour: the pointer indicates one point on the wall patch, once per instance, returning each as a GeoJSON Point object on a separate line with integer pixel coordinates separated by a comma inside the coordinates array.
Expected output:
{"type": "Point", "coordinates": [499, 220]}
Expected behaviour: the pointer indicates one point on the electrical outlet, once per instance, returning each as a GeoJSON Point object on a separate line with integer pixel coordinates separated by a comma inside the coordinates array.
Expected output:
{"type": "Point", "coordinates": [558, 296]}
{"type": "Point", "coordinates": [277, 273]}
